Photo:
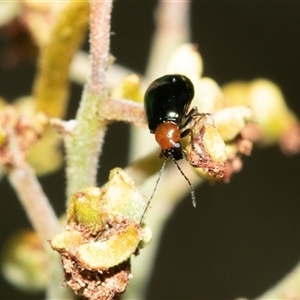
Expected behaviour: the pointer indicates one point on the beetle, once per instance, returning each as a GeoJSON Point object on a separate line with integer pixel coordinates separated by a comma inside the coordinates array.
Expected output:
{"type": "Point", "coordinates": [167, 101]}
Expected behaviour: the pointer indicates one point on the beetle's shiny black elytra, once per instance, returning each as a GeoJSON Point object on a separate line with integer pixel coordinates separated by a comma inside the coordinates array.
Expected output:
{"type": "Point", "coordinates": [168, 98]}
{"type": "Point", "coordinates": [167, 101]}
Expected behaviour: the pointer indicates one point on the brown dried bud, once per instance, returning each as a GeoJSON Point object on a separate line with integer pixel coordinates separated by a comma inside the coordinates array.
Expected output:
{"type": "Point", "coordinates": [17, 134]}
{"type": "Point", "coordinates": [103, 231]}
{"type": "Point", "coordinates": [206, 149]}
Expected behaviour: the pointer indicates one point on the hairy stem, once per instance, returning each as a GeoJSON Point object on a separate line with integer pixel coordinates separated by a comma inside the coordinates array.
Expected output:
{"type": "Point", "coordinates": [35, 202]}
{"type": "Point", "coordinates": [84, 144]}
{"type": "Point", "coordinates": [44, 221]}
{"type": "Point", "coordinates": [123, 110]}
{"type": "Point", "coordinates": [100, 43]}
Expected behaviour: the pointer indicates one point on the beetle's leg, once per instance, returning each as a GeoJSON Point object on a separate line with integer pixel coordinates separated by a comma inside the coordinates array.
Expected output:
{"type": "Point", "coordinates": [189, 119]}
{"type": "Point", "coordinates": [187, 132]}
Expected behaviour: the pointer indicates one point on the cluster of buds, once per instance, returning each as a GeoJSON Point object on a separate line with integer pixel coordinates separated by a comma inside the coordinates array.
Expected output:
{"type": "Point", "coordinates": [18, 133]}
{"type": "Point", "coordinates": [103, 230]}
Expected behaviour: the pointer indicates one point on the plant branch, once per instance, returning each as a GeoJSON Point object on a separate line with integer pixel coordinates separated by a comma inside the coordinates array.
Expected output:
{"type": "Point", "coordinates": [123, 110]}
{"type": "Point", "coordinates": [35, 202]}
{"type": "Point", "coordinates": [44, 221]}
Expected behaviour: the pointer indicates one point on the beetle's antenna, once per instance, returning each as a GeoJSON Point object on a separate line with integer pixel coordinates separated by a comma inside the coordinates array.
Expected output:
{"type": "Point", "coordinates": [191, 187]}
{"type": "Point", "coordinates": [155, 187]}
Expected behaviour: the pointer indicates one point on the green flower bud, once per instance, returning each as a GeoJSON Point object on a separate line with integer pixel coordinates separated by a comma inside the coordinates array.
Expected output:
{"type": "Point", "coordinates": [87, 209]}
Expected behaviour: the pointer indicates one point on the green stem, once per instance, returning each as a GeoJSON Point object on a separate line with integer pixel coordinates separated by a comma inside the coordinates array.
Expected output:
{"type": "Point", "coordinates": [84, 144]}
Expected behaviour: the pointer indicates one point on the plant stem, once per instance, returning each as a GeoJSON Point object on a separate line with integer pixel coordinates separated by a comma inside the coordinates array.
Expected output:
{"type": "Point", "coordinates": [84, 144]}
{"type": "Point", "coordinates": [35, 202]}
{"type": "Point", "coordinates": [44, 221]}
{"type": "Point", "coordinates": [123, 110]}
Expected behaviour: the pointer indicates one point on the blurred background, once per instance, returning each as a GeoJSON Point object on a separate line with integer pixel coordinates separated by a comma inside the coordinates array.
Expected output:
{"type": "Point", "coordinates": [243, 236]}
